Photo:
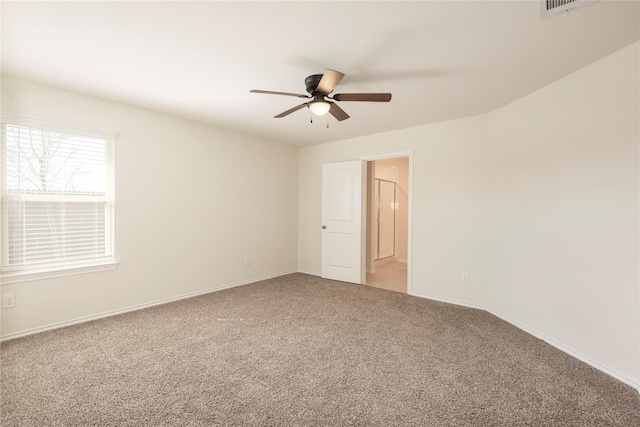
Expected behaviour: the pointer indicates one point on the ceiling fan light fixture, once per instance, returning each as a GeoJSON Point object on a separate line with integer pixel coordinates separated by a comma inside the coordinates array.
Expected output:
{"type": "Point", "coordinates": [319, 108]}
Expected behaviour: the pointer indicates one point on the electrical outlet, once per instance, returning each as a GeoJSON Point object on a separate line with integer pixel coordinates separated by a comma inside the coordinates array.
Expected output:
{"type": "Point", "coordinates": [247, 262]}
{"type": "Point", "coordinates": [8, 300]}
{"type": "Point", "coordinates": [465, 277]}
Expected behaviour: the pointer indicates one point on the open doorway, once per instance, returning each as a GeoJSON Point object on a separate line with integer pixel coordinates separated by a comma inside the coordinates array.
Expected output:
{"type": "Point", "coordinates": [388, 222]}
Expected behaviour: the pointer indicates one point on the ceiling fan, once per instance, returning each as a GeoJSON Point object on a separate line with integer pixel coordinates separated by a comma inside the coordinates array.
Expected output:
{"type": "Point", "coordinates": [319, 87]}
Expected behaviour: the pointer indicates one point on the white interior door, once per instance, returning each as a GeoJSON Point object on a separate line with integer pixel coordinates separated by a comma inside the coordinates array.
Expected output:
{"type": "Point", "coordinates": [343, 248]}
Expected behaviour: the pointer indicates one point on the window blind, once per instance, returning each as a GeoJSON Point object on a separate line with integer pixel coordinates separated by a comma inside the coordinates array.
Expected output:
{"type": "Point", "coordinates": [56, 194]}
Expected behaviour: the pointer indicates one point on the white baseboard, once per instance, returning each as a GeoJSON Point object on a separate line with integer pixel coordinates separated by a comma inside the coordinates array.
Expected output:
{"type": "Point", "coordinates": [563, 348]}
{"type": "Point", "coordinates": [577, 355]}
{"type": "Point", "coordinates": [310, 273]}
{"type": "Point", "coordinates": [383, 261]}
{"type": "Point", "coordinates": [448, 301]}
{"type": "Point", "coordinates": [569, 351]}
{"type": "Point", "coordinates": [136, 307]}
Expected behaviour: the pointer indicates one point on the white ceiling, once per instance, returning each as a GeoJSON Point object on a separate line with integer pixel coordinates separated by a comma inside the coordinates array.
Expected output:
{"type": "Point", "coordinates": [440, 59]}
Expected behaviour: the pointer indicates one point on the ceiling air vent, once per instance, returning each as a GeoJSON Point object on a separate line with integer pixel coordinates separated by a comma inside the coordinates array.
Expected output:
{"type": "Point", "coordinates": [555, 7]}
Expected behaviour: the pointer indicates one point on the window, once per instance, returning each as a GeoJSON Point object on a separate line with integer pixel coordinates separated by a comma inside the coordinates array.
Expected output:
{"type": "Point", "coordinates": [57, 199]}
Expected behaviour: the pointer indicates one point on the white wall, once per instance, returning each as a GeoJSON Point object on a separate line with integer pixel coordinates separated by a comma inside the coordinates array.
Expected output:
{"type": "Point", "coordinates": [191, 202]}
{"type": "Point", "coordinates": [445, 192]}
{"type": "Point", "coordinates": [538, 201]}
{"type": "Point", "coordinates": [562, 211]}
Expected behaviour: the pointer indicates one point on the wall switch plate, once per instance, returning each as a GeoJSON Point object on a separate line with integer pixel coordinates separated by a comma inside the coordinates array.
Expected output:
{"type": "Point", "coordinates": [8, 300]}
{"type": "Point", "coordinates": [465, 277]}
{"type": "Point", "coordinates": [247, 262]}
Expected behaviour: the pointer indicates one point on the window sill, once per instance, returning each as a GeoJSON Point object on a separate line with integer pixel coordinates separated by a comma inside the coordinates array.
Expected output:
{"type": "Point", "coordinates": [50, 273]}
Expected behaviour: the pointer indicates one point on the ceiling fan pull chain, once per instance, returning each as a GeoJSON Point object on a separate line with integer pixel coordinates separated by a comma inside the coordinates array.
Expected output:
{"type": "Point", "coordinates": [327, 122]}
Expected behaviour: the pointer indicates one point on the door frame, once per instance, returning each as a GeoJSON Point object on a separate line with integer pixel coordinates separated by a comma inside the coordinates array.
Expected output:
{"type": "Point", "coordinates": [394, 155]}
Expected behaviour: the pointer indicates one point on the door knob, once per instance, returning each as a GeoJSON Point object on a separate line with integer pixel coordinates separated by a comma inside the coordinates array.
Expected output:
{"type": "Point", "coordinates": [324, 227]}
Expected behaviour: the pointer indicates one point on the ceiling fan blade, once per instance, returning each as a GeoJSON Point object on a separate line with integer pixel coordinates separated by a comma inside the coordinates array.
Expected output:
{"type": "Point", "coordinates": [270, 92]}
{"type": "Point", "coordinates": [338, 112]}
{"type": "Point", "coordinates": [329, 81]}
{"type": "Point", "coordinates": [371, 97]}
{"type": "Point", "coordinates": [291, 110]}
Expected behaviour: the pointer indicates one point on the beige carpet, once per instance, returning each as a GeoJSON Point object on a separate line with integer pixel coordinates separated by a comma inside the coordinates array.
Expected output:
{"type": "Point", "coordinates": [303, 351]}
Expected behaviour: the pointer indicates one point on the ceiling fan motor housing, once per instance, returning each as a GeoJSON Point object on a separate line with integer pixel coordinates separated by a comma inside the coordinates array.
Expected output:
{"type": "Point", "coordinates": [311, 83]}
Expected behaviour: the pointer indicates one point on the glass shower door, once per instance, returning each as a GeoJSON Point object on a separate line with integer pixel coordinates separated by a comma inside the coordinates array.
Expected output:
{"type": "Point", "coordinates": [386, 195]}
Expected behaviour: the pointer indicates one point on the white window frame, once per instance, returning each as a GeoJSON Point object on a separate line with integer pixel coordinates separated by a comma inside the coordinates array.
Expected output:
{"type": "Point", "coordinates": [15, 274]}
